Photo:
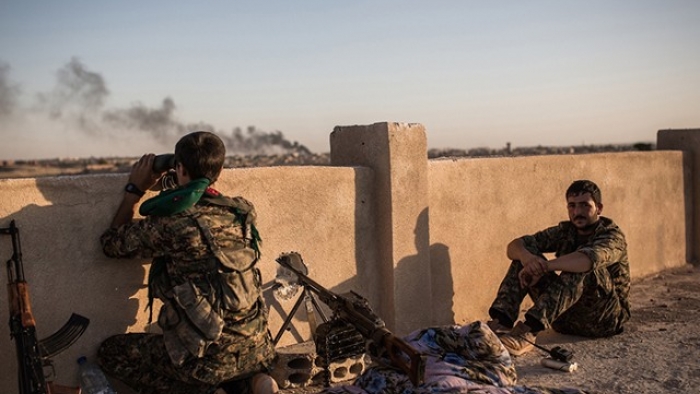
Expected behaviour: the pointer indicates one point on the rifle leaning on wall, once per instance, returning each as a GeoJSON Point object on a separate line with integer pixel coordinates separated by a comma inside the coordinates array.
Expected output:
{"type": "Point", "coordinates": [33, 354]}
{"type": "Point", "coordinates": [354, 310]}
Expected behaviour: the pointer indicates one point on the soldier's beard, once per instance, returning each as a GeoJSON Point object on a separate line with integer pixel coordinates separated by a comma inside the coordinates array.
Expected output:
{"type": "Point", "coordinates": [587, 229]}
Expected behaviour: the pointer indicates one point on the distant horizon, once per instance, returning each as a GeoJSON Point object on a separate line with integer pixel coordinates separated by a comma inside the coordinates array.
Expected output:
{"type": "Point", "coordinates": [127, 156]}
{"type": "Point", "coordinates": [162, 151]}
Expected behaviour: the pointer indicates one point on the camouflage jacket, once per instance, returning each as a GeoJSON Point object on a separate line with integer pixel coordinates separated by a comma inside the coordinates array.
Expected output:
{"type": "Point", "coordinates": [606, 248]}
{"type": "Point", "coordinates": [204, 272]}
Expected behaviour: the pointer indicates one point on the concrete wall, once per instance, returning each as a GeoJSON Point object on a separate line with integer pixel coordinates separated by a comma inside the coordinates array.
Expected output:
{"type": "Point", "coordinates": [423, 240]}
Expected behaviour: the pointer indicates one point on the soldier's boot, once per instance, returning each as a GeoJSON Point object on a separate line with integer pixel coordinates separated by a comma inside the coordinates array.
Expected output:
{"type": "Point", "coordinates": [497, 327]}
{"type": "Point", "coordinates": [519, 340]}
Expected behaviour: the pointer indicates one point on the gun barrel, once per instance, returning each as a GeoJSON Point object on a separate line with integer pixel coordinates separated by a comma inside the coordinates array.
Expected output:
{"type": "Point", "coordinates": [15, 268]}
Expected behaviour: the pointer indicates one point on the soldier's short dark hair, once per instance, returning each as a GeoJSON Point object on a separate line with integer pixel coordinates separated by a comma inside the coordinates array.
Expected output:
{"type": "Point", "coordinates": [202, 154]}
{"type": "Point", "coordinates": [584, 186]}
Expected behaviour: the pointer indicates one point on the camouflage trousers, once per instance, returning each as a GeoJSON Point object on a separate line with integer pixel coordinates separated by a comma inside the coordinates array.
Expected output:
{"type": "Point", "coordinates": [141, 361]}
{"type": "Point", "coordinates": [583, 304]}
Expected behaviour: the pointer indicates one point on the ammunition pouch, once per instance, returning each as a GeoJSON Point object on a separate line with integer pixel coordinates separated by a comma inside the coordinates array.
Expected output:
{"type": "Point", "coordinates": [239, 281]}
{"type": "Point", "coordinates": [190, 324]}
{"type": "Point", "coordinates": [199, 310]}
{"type": "Point", "coordinates": [239, 284]}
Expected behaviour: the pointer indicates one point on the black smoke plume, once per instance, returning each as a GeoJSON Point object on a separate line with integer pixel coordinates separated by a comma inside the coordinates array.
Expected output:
{"type": "Point", "coordinates": [255, 140]}
{"type": "Point", "coordinates": [159, 122]}
{"type": "Point", "coordinates": [78, 96]}
{"type": "Point", "coordinates": [79, 99]}
{"type": "Point", "coordinates": [9, 92]}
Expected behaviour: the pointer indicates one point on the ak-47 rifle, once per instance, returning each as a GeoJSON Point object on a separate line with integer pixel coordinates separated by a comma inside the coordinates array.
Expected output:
{"type": "Point", "coordinates": [355, 310]}
{"type": "Point", "coordinates": [32, 354]}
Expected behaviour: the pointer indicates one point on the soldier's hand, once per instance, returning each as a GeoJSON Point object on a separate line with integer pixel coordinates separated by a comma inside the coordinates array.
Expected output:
{"type": "Point", "coordinates": [528, 278]}
{"type": "Point", "coordinates": [537, 264]}
{"type": "Point", "coordinates": [525, 278]}
{"type": "Point", "coordinates": [142, 174]}
{"type": "Point", "coordinates": [534, 267]}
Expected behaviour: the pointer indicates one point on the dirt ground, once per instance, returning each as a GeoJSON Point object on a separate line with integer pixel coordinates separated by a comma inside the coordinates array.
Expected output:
{"type": "Point", "coordinates": [659, 352]}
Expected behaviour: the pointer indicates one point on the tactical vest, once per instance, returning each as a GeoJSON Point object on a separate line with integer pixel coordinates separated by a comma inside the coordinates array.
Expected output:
{"type": "Point", "coordinates": [192, 315]}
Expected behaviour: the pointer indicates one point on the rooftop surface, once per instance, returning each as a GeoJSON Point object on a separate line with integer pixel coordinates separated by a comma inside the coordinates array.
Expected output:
{"type": "Point", "coordinates": [659, 351]}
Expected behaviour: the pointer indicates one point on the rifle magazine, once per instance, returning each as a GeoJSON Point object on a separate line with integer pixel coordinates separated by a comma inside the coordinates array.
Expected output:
{"type": "Point", "coordinates": [64, 337]}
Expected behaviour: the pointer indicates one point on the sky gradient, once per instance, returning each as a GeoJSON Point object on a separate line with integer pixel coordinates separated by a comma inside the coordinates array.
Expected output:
{"type": "Point", "coordinates": [85, 78]}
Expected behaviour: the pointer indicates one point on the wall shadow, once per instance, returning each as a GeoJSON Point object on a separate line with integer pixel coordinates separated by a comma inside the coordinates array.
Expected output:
{"type": "Point", "coordinates": [689, 198]}
{"type": "Point", "coordinates": [441, 282]}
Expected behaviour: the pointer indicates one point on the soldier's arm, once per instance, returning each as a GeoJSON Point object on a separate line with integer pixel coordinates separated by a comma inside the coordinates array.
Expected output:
{"type": "Point", "coordinates": [534, 265]}
{"type": "Point", "coordinates": [572, 262]}
{"type": "Point", "coordinates": [607, 248]}
{"type": "Point", "coordinates": [529, 249]}
{"type": "Point", "coordinates": [143, 238]}
{"type": "Point", "coordinates": [517, 250]}
{"type": "Point", "coordinates": [126, 237]}
{"type": "Point", "coordinates": [126, 209]}
{"type": "Point", "coordinates": [143, 178]}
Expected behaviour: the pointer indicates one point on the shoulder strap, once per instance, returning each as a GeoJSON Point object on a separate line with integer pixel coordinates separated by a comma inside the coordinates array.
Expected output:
{"type": "Point", "coordinates": [218, 252]}
{"type": "Point", "coordinates": [242, 208]}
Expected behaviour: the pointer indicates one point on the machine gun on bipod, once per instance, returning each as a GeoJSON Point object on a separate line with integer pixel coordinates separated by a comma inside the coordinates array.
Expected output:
{"type": "Point", "coordinates": [352, 314]}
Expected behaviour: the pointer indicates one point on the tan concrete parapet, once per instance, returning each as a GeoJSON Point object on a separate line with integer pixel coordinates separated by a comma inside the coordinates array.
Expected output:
{"type": "Point", "coordinates": [396, 152]}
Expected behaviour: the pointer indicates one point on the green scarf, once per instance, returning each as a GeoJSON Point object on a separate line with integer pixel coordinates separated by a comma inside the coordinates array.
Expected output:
{"type": "Point", "coordinates": [170, 202]}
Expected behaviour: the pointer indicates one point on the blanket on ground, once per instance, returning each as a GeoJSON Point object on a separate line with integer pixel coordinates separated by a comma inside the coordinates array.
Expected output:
{"type": "Point", "coordinates": [460, 360]}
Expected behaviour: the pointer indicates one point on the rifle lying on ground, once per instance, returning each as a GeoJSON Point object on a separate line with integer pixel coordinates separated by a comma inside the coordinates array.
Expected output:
{"type": "Point", "coordinates": [33, 355]}
{"type": "Point", "coordinates": [354, 310]}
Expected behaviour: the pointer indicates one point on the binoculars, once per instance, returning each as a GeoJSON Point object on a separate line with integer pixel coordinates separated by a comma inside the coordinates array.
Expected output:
{"type": "Point", "coordinates": [163, 163]}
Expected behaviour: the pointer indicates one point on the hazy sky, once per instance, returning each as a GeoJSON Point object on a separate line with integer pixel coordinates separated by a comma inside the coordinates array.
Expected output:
{"type": "Point", "coordinates": [81, 78]}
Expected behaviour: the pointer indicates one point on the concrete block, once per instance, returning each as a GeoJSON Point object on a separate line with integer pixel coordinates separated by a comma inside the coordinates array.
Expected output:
{"type": "Point", "coordinates": [298, 365]}
{"type": "Point", "coordinates": [348, 369]}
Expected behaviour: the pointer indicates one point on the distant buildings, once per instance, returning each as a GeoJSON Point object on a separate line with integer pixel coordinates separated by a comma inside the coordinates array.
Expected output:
{"type": "Point", "coordinates": [539, 150]}
{"type": "Point", "coordinates": [95, 165]}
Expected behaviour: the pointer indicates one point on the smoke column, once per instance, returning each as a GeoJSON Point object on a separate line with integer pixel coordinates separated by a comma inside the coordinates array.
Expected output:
{"type": "Point", "coordinates": [78, 102]}
{"type": "Point", "coordinates": [8, 92]}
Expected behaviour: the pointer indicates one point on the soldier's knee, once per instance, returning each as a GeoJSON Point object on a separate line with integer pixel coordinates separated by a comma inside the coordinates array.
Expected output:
{"type": "Point", "coordinates": [110, 349]}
